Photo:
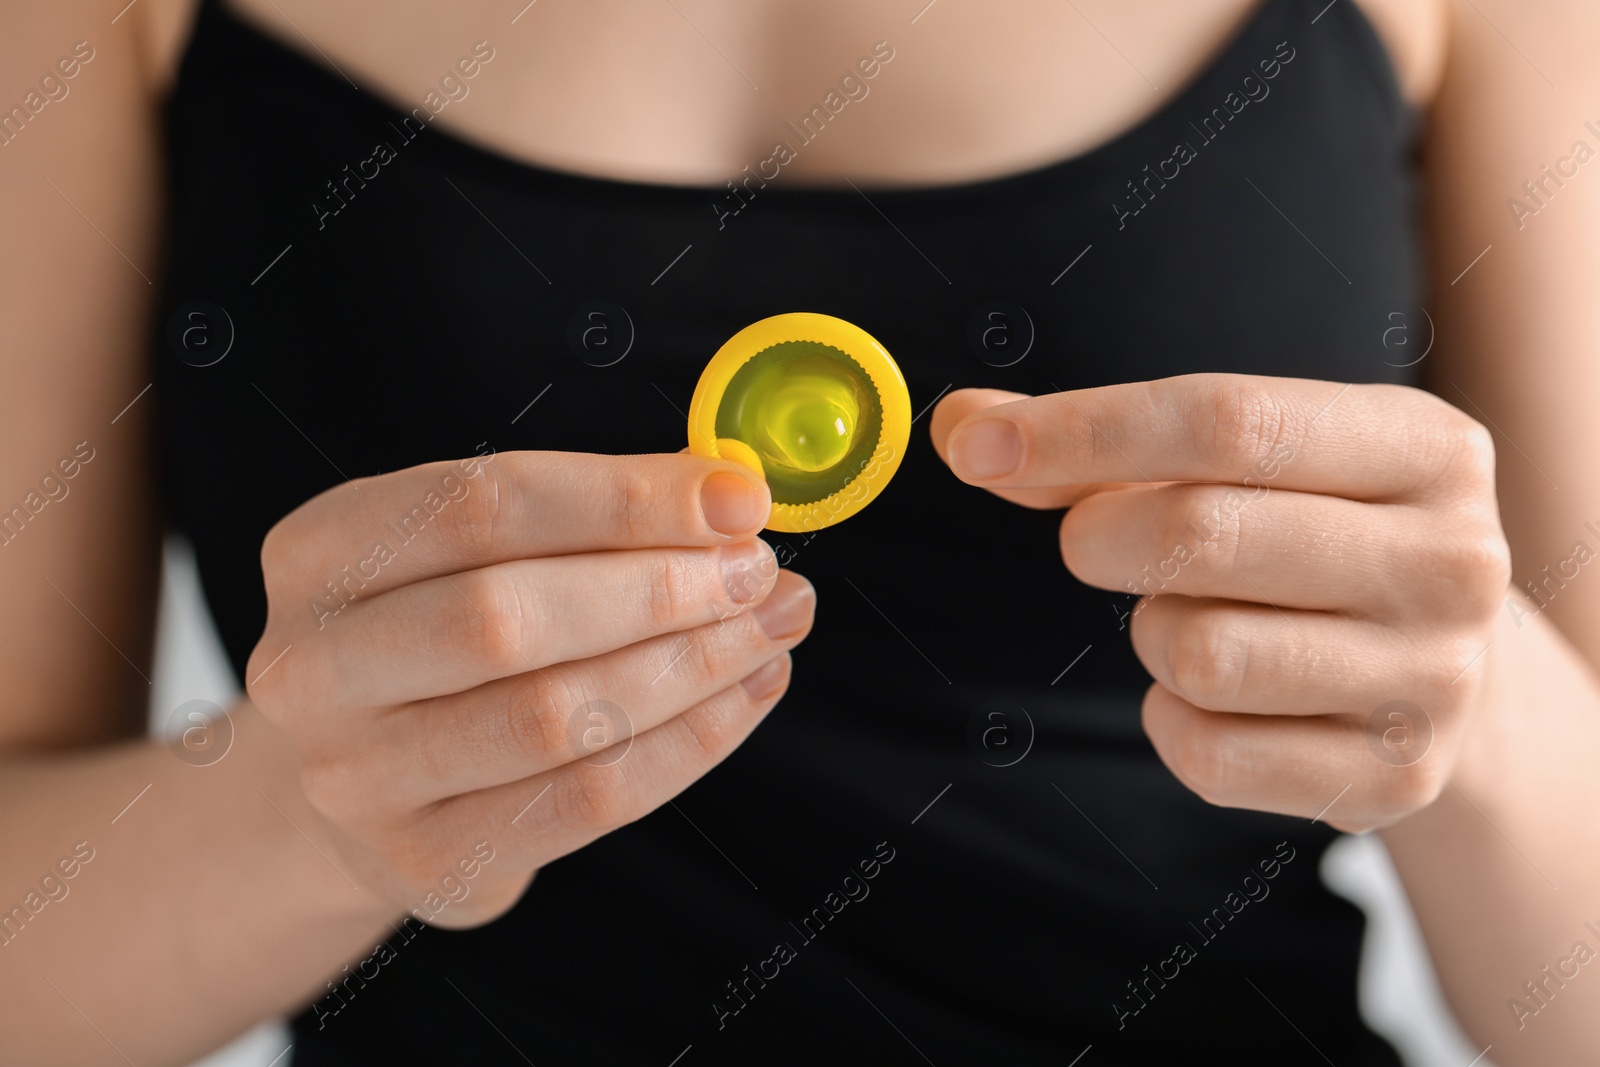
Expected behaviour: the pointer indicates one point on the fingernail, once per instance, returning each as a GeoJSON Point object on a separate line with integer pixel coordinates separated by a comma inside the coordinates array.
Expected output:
{"type": "Point", "coordinates": [786, 612]}
{"type": "Point", "coordinates": [987, 448]}
{"type": "Point", "coordinates": [747, 567]}
{"type": "Point", "coordinates": [763, 681]}
{"type": "Point", "coordinates": [731, 504]}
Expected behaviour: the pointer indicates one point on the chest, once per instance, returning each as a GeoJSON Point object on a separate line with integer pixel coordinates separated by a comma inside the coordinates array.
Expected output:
{"type": "Point", "coordinates": [690, 92]}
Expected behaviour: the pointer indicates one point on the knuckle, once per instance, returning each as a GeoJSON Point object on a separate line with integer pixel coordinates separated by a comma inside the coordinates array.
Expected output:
{"type": "Point", "coordinates": [277, 551]}
{"type": "Point", "coordinates": [260, 695]}
{"type": "Point", "coordinates": [1206, 663]}
{"type": "Point", "coordinates": [1247, 422]}
{"type": "Point", "coordinates": [722, 649]}
{"type": "Point", "coordinates": [587, 796]}
{"type": "Point", "coordinates": [1477, 569]}
{"type": "Point", "coordinates": [1205, 534]}
{"type": "Point", "coordinates": [1471, 451]}
{"type": "Point", "coordinates": [1460, 672]}
{"type": "Point", "coordinates": [633, 505]}
{"type": "Point", "coordinates": [473, 521]}
{"type": "Point", "coordinates": [711, 650]}
{"type": "Point", "coordinates": [1412, 787]}
{"type": "Point", "coordinates": [284, 546]}
{"type": "Point", "coordinates": [484, 623]}
{"type": "Point", "coordinates": [667, 589]}
{"type": "Point", "coordinates": [534, 725]}
{"type": "Point", "coordinates": [1446, 441]}
{"type": "Point", "coordinates": [274, 674]}
{"type": "Point", "coordinates": [1210, 764]}
{"type": "Point", "coordinates": [713, 729]}
{"type": "Point", "coordinates": [1100, 449]}
{"type": "Point", "coordinates": [1438, 665]}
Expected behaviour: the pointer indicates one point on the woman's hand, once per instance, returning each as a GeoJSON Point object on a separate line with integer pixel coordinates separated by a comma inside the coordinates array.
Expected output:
{"type": "Point", "coordinates": [485, 665]}
{"type": "Point", "coordinates": [1320, 566]}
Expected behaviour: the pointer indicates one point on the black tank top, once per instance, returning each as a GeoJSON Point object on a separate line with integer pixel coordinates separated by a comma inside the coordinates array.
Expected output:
{"type": "Point", "coordinates": [964, 721]}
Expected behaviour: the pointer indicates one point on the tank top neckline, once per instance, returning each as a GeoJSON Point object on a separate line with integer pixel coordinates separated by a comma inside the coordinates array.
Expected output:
{"type": "Point", "coordinates": [1226, 68]}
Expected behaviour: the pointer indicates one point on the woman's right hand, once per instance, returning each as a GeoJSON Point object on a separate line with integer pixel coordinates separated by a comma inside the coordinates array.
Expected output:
{"type": "Point", "coordinates": [529, 650]}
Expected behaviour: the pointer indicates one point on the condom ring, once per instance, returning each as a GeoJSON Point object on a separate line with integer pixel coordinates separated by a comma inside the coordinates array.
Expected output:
{"type": "Point", "coordinates": [811, 403]}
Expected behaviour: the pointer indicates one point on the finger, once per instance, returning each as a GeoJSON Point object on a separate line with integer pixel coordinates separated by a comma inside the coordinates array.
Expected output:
{"type": "Point", "coordinates": [546, 816]}
{"type": "Point", "coordinates": [379, 533]}
{"type": "Point", "coordinates": [452, 633]}
{"type": "Point", "coordinates": [590, 709]}
{"type": "Point", "coordinates": [1297, 433]}
{"type": "Point", "coordinates": [955, 408]}
{"type": "Point", "coordinates": [1316, 768]}
{"type": "Point", "coordinates": [963, 402]}
{"type": "Point", "coordinates": [1222, 655]}
{"type": "Point", "coordinates": [1299, 550]}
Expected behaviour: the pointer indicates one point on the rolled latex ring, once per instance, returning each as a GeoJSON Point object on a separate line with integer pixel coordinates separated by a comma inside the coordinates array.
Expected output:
{"type": "Point", "coordinates": [811, 403]}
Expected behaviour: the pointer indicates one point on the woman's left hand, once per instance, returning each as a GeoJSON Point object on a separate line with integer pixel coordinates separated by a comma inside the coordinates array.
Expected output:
{"type": "Point", "coordinates": [1319, 566]}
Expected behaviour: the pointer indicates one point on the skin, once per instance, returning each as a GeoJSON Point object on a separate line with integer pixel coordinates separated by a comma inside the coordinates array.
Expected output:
{"type": "Point", "coordinates": [398, 753]}
{"type": "Point", "coordinates": [359, 779]}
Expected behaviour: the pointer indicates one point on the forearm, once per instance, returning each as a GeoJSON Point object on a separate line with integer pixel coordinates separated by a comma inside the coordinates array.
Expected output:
{"type": "Point", "coordinates": [210, 902]}
{"type": "Point", "coordinates": [1504, 869]}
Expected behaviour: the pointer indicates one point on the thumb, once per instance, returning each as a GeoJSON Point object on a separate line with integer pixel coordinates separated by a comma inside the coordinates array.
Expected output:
{"type": "Point", "coordinates": [954, 409]}
{"type": "Point", "coordinates": [956, 406]}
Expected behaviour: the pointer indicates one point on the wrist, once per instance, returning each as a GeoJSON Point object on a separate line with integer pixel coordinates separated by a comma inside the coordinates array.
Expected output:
{"type": "Point", "coordinates": [1532, 679]}
{"type": "Point", "coordinates": [349, 888]}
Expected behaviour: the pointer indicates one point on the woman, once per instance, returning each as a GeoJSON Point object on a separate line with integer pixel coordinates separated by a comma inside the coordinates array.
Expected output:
{"type": "Point", "coordinates": [330, 278]}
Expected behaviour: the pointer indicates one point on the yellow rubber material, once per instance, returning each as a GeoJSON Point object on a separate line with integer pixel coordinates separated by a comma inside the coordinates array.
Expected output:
{"type": "Point", "coordinates": [848, 338]}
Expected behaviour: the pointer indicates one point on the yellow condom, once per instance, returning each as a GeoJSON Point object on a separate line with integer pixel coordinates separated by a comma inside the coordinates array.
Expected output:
{"type": "Point", "coordinates": [811, 403]}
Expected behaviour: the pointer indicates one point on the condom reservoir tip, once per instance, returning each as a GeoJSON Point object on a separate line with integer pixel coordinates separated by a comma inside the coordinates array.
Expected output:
{"type": "Point", "coordinates": [813, 404]}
